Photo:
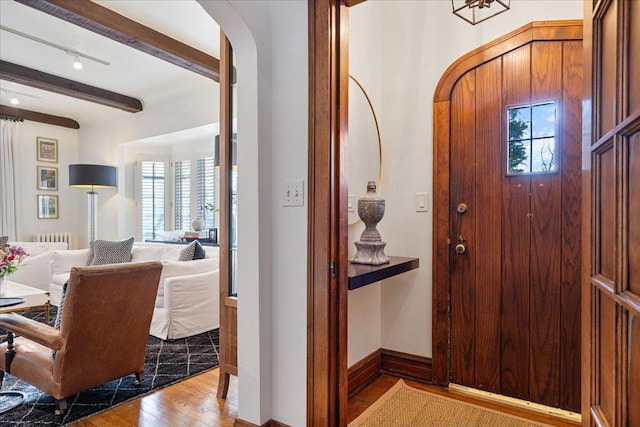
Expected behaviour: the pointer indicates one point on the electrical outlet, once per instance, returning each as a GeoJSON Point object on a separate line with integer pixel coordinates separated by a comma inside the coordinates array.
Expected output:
{"type": "Point", "coordinates": [293, 193]}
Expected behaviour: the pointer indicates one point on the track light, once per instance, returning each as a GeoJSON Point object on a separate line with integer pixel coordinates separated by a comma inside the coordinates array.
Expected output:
{"type": "Point", "coordinates": [13, 96]}
{"type": "Point", "coordinates": [77, 64]}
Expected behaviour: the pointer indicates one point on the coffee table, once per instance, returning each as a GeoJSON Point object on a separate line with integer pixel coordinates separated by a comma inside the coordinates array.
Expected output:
{"type": "Point", "coordinates": [33, 298]}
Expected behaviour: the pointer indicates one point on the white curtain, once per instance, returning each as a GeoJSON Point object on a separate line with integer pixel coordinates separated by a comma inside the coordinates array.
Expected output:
{"type": "Point", "coordinates": [8, 195]}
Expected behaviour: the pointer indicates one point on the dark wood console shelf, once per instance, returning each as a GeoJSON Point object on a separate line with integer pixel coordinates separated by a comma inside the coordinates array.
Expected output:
{"type": "Point", "coordinates": [361, 274]}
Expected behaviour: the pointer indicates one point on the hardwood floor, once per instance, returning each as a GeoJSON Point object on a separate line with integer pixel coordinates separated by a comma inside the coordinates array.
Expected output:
{"type": "Point", "coordinates": [362, 400]}
{"type": "Point", "coordinates": [190, 403]}
{"type": "Point", "coordinates": [193, 403]}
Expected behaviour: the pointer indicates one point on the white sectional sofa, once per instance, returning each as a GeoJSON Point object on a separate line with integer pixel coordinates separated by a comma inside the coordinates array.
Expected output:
{"type": "Point", "coordinates": [34, 268]}
{"type": "Point", "coordinates": [188, 294]}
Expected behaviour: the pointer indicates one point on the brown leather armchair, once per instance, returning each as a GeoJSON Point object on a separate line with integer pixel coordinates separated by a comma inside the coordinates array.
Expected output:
{"type": "Point", "coordinates": [103, 332]}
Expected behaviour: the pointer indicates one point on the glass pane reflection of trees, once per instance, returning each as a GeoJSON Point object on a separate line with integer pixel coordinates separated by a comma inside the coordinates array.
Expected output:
{"type": "Point", "coordinates": [532, 143]}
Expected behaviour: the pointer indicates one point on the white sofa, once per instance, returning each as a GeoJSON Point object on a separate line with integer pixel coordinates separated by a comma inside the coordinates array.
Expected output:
{"type": "Point", "coordinates": [34, 268]}
{"type": "Point", "coordinates": [188, 294]}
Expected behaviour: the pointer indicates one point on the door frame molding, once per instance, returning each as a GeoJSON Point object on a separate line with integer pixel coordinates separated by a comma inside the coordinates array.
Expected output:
{"type": "Point", "coordinates": [326, 251]}
{"type": "Point", "coordinates": [535, 31]}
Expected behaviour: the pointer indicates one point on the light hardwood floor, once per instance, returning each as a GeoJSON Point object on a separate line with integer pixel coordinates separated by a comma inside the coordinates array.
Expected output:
{"type": "Point", "coordinates": [193, 403]}
{"type": "Point", "coordinates": [189, 403]}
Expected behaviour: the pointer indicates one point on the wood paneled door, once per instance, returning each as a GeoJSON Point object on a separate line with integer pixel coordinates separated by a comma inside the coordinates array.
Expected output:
{"type": "Point", "coordinates": [611, 153]}
{"type": "Point", "coordinates": [508, 192]}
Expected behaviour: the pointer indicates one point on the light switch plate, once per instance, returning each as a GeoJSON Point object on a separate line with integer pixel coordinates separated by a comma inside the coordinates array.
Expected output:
{"type": "Point", "coordinates": [422, 202]}
{"type": "Point", "coordinates": [293, 193]}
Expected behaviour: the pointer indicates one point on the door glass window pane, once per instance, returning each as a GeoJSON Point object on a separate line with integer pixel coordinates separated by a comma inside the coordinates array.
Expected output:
{"type": "Point", "coordinates": [532, 142]}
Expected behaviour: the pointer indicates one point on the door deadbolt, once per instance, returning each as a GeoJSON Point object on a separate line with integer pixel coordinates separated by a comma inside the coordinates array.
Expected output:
{"type": "Point", "coordinates": [462, 208]}
{"type": "Point", "coordinates": [460, 248]}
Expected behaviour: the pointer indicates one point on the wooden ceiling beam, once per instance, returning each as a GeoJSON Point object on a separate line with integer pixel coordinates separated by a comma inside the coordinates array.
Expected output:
{"type": "Point", "coordinates": [34, 116]}
{"type": "Point", "coordinates": [101, 20]}
{"type": "Point", "coordinates": [41, 80]}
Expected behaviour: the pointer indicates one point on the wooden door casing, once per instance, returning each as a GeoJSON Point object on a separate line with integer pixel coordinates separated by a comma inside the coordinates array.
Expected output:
{"type": "Point", "coordinates": [538, 62]}
{"type": "Point", "coordinates": [611, 161]}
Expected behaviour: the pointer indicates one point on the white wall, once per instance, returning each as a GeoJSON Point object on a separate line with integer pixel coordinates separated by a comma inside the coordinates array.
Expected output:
{"type": "Point", "coordinates": [270, 42]}
{"type": "Point", "coordinates": [419, 40]}
{"type": "Point", "coordinates": [71, 201]}
{"type": "Point", "coordinates": [364, 314]}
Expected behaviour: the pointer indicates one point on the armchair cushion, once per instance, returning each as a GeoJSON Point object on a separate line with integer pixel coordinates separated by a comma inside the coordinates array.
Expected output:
{"type": "Point", "coordinates": [103, 252]}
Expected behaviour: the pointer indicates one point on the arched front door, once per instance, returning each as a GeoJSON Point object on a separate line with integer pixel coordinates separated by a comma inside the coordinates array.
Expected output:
{"type": "Point", "coordinates": [507, 245]}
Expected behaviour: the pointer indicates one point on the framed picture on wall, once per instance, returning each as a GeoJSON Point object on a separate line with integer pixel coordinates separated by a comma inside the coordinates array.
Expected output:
{"type": "Point", "coordinates": [47, 206]}
{"type": "Point", "coordinates": [47, 149]}
{"type": "Point", "coordinates": [47, 178]}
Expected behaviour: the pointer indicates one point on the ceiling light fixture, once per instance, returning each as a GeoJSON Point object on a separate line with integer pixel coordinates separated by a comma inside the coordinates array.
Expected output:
{"type": "Point", "coordinates": [476, 11]}
{"type": "Point", "coordinates": [57, 46]}
{"type": "Point", "coordinates": [77, 64]}
{"type": "Point", "coordinates": [14, 100]}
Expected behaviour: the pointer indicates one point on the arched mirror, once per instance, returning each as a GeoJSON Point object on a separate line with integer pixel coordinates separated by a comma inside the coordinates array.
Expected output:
{"type": "Point", "coordinates": [365, 146]}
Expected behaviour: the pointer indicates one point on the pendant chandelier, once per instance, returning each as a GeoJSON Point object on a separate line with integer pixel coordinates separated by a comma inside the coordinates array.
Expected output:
{"type": "Point", "coordinates": [476, 11]}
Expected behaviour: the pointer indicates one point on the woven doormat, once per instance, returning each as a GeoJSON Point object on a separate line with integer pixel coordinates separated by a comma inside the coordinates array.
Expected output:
{"type": "Point", "coordinates": [406, 406]}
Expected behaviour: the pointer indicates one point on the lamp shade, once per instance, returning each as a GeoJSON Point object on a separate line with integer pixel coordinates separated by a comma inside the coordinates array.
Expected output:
{"type": "Point", "coordinates": [93, 176]}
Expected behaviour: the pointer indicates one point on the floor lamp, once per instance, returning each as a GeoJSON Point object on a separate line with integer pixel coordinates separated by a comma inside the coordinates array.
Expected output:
{"type": "Point", "coordinates": [92, 176]}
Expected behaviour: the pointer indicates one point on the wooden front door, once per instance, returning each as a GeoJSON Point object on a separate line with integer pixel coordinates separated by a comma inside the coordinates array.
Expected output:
{"type": "Point", "coordinates": [514, 224]}
{"type": "Point", "coordinates": [611, 152]}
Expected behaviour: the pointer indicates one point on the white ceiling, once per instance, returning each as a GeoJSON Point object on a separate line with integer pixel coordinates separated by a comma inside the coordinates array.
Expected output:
{"type": "Point", "coordinates": [132, 73]}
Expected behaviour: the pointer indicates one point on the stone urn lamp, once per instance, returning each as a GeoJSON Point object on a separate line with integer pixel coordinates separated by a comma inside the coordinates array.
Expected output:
{"type": "Point", "coordinates": [370, 247]}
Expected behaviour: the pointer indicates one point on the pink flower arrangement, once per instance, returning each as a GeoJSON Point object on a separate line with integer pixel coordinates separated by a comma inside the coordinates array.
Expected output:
{"type": "Point", "coordinates": [10, 258]}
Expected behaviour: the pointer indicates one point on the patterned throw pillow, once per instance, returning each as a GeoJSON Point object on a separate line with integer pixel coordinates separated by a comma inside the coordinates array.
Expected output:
{"type": "Point", "coordinates": [110, 252]}
{"type": "Point", "coordinates": [199, 253]}
{"type": "Point", "coordinates": [58, 320]}
{"type": "Point", "coordinates": [187, 253]}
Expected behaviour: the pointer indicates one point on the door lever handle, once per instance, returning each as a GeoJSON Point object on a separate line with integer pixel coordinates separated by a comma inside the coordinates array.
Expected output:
{"type": "Point", "coordinates": [460, 248]}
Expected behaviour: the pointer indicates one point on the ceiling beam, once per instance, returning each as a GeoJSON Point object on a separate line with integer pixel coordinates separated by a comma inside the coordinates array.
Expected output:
{"type": "Point", "coordinates": [34, 116]}
{"type": "Point", "coordinates": [101, 20]}
{"type": "Point", "coordinates": [49, 82]}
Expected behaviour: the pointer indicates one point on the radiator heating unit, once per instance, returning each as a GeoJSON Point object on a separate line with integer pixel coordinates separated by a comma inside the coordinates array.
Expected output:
{"type": "Point", "coordinates": [61, 236]}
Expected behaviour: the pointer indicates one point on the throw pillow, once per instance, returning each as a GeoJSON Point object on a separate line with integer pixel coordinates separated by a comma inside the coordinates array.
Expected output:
{"type": "Point", "coordinates": [110, 252]}
{"type": "Point", "coordinates": [58, 320]}
{"type": "Point", "coordinates": [199, 253]}
{"type": "Point", "coordinates": [187, 253]}
{"type": "Point", "coordinates": [3, 240]}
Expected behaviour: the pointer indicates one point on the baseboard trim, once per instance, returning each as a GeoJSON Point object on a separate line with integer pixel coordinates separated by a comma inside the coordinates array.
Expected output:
{"type": "Point", "coordinates": [383, 361]}
{"type": "Point", "coordinates": [407, 366]}
{"type": "Point", "coordinates": [363, 373]}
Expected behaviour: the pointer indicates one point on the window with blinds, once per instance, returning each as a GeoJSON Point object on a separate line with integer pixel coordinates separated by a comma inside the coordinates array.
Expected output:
{"type": "Point", "coordinates": [205, 194]}
{"type": "Point", "coordinates": [152, 198]}
{"type": "Point", "coordinates": [182, 205]}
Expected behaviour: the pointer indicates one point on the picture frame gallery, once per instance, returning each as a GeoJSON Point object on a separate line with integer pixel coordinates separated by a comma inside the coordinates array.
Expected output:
{"type": "Point", "coordinates": [47, 178]}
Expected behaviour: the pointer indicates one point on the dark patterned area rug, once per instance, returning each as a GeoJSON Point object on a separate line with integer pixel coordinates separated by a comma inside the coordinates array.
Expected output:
{"type": "Point", "coordinates": [166, 362]}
